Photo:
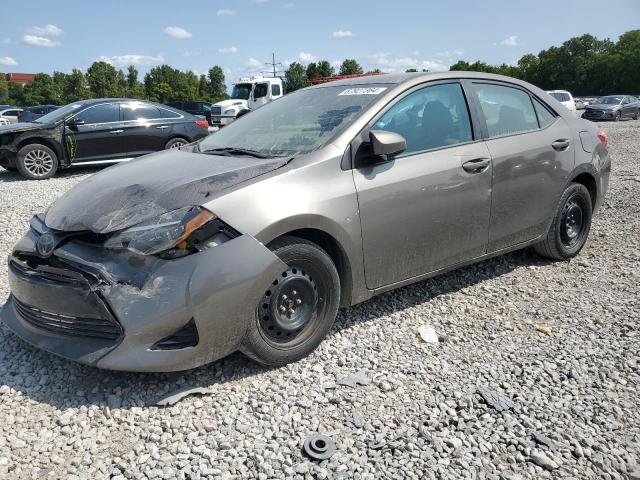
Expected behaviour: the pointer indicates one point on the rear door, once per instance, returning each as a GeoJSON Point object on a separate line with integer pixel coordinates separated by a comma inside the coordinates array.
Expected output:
{"type": "Point", "coordinates": [532, 149]}
{"type": "Point", "coordinates": [147, 127]}
{"type": "Point", "coordinates": [429, 207]}
{"type": "Point", "coordinates": [95, 134]}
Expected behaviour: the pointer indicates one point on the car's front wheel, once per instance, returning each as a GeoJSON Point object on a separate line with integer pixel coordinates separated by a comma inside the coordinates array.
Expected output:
{"type": "Point", "coordinates": [571, 225]}
{"type": "Point", "coordinates": [617, 116]}
{"type": "Point", "coordinates": [299, 307]}
{"type": "Point", "coordinates": [36, 161]}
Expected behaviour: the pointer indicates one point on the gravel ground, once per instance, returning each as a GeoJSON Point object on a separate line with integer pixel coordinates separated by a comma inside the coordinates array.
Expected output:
{"type": "Point", "coordinates": [495, 397]}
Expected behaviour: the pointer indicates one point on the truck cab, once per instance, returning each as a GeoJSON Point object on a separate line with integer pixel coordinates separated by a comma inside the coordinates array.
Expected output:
{"type": "Point", "coordinates": [246, 95]}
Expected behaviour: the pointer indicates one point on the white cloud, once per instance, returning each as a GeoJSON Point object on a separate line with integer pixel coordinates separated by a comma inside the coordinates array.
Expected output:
{"type": "Point", "coordinates": [306, 57]}
{"type": "Point", "coordinates": [225, 12]}
{"type": "Point", "coordinates": [133, 59]}
{"type": "Point", "coordinates": [253, 64]}
{"type": "Point", "coordinates": [9, 61]}
{"type": "Point", "coordinates": [177, 32]}
{"type": "Point", "coordinates": [37, 41]}
{"type": "Point", "coordinates": [228, 50]}
{"type": "Point", "coordinates": [394, 64]}
{"type": "Point", "coordinates": [448, 54]}
{"type": "Point", "coordinates": [511, 41]}
{"type": "Point", "coordinates": [343, 34]}
{"type": "Point", "coordinates": [46, 31]}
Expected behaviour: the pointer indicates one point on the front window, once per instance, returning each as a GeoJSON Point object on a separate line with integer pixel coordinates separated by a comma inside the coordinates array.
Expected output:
{"type": "Point", "coordinates": [61, 113]}
{"type": "Point", "coordinates": [260, 91]}
{"type": "Point", "coordinates": [609, 100]}
{"type": "Point", "coordinates": [300, 122]}
{"type": "Point", "coordinates": [241, 91]}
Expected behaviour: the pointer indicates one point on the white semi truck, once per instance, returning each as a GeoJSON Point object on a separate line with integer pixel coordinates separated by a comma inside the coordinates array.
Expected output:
{"type": "Point", "coordinates": [248, 94]}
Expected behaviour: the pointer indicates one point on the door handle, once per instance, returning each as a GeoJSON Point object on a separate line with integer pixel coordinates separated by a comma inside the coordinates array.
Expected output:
{"type": "Point", "coordinates": [477, 165]}
{"type": "Point", "coordinates": [560, 145]}
{"type": "Point", "coordinates": [115, 132]}
{"type": "Point", "coordinates": [162, 127]}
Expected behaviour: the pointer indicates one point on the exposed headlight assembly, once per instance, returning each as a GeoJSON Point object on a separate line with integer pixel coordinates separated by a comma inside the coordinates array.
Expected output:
{"type": "Point", "coordinates": [174, 233]}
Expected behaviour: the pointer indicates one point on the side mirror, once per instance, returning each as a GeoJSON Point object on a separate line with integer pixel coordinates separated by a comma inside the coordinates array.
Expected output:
{"type": "Point", "coordinates": [75, 122]}
{"type": "Point", "coordinates": [386, 144]}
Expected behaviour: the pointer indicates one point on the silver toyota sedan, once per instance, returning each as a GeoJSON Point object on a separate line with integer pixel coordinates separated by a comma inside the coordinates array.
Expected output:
{"type": "Point", "coordinates": [252, 238]}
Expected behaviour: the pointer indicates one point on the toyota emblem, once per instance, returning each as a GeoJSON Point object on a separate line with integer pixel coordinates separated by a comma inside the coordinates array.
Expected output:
{"type": "Point", "coordinates": [45, 245]}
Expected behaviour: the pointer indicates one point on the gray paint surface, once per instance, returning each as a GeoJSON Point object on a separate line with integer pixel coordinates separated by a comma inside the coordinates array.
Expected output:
{"type": "Point", "coordinates": [392, 223]}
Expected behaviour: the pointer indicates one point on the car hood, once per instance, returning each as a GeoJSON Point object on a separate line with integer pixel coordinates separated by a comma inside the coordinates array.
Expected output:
{"type": "Point", "coordinates": [21, 127]}
{"type": "Point", "coordinates": [129, 193]}
{"type": "Point", "coordinates": [230, 103]}
{"type": "Point", "coordinates": [602, 106]}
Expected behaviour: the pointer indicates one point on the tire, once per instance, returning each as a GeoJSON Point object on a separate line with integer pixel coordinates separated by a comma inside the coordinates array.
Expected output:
{"type": "Point", "coordinates": [176, 142]}
{"type": "Point", "coordinates": [617, 116]}
{"type": "Point", "coordinates": [299, 308]}
{"type": "Point", "coordinates": [37, 162]}
{"type": "Point", "coordinates": [570, 226]}
{"type": "Point", "coordinates": [636, 115]}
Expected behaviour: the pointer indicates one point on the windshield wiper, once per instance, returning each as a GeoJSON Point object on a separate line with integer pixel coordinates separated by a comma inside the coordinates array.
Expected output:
{"type": "Point", "coordinates": [236, 151]}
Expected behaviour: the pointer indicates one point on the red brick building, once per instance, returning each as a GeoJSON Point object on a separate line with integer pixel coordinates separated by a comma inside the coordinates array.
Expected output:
{"type": "Point", "coordinates": [21, 78]}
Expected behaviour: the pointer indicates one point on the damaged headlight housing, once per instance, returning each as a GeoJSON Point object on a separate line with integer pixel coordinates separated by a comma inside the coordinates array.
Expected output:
{"type": "Point", "coordinates": [163, 233]}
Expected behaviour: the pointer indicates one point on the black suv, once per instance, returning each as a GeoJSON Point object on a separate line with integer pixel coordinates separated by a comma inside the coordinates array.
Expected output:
{"type": "Point", "coordinates": [194, 108]}
{"type": "Point", "coordinates": [95, 131]}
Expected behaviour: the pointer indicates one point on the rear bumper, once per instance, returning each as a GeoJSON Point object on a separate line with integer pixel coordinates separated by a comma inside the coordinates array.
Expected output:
{"type": "Point", "coordinates": [216, 289]}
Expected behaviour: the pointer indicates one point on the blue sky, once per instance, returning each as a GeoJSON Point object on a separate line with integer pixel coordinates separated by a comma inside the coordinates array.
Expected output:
{"type": "Point", "coordinates": [240, 35]}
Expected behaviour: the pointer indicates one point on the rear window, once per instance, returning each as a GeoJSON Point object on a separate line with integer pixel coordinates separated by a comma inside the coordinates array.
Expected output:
{"type": "Point", "coordinates": [137, 111]}
{"type": "Point", "coordinates": [561, 96]}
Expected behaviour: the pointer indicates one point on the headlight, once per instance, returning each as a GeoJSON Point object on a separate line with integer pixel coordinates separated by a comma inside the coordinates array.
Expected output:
{"type": "Point", "coordinates": [162, 233]}
{"type": "Point", "coordinates": [231, 111]}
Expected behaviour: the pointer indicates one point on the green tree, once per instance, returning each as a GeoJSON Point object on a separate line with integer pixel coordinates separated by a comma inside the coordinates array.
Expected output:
{"type": "Point", "coordinates": [312, 71]}
{"type": "Point", "coordinates": [4, 87]}
{"type": "Point", "coordinates": [161, 92]}
{"type": "Point", "coordinates": [16, 94]}
{"type": "Point", "coordinates": [350, 67]}
{"type": "Point", "coordinates": [42, 90]}
{"type": "Point", "coordinates": [325, 69]}
{"type": "Point", "coordinates": [203, 88]}
{"type": "Point", "coordinates": [296, 77]}
{"type": "Point", "coordinates": [102, 79]}
{"type": "Point", "coordinates": [628, 51]}
{"type": "Point", "coordinates": [75, 87]}
{"type": "Point", "coordinates": [135, 89]}
{"type": "Point", "coordinates": [181, 85]}
{"type": "Point", "coordinates": [217, 86]}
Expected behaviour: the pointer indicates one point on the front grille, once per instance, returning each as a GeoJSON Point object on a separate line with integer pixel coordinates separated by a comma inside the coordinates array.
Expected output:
{"type": "Point", "coordinates": [216, 110]}
{"type": "Point", "coordinates": [594, 113]}
{"type": "Point", "coordinates": [187, 336]}
{"type": "Point", "coordinates": [101, 328]}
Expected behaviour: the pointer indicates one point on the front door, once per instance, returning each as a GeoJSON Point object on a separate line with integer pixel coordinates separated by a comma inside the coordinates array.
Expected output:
{"type": "Point", "coordinates": [429, 207]}
{"type": "Point", "coordinates": [533, 152]}
{"type": "Point", "coordinates": [95, 134]}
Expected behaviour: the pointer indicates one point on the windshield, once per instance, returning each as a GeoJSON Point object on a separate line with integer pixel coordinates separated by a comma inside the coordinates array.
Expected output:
{"type": "Point", "coordinates": [299, 122]}
{"type": "Point", "coordinates": [59, 113]}
{"type": "Point", "coordinates": [241, 91]}
{"type": "Point", "coordinates": [609, 100]}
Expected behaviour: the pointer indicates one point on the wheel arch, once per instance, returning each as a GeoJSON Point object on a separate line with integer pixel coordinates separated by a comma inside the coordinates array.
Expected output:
{"type": "Point", "coordinates": [47, 142]}
{"type": "Point", "coordinates": [330, 244]}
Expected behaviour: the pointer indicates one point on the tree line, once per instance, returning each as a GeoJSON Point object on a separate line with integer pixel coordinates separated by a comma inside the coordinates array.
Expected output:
{"type": "Point", "coordinates": [162, 84]}
{"type": "Point", "coordinates": [584, 65]}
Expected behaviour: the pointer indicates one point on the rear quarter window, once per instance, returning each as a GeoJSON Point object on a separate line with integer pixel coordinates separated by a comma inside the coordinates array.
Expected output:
{"type": "Point", "coordinates": [507, 110]}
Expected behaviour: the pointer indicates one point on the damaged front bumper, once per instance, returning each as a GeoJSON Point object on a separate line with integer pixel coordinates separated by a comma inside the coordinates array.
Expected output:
{"type": "Point", "coordinates": [121, 311]}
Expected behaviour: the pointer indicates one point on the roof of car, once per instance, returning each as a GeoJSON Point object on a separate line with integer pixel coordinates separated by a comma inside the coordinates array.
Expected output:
{"type": "Point", "coordinates": [409, 78]}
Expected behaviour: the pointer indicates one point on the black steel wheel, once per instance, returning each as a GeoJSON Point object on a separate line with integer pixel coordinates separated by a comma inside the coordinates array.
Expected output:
{"type": "Point", "coordinates": [571, 225]}
{"type": "Point", "coordinates": [299, 307]}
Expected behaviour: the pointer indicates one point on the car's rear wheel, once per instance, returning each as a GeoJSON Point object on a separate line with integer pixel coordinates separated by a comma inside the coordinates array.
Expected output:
{"type": "Point", "coordinates": [617, 116]}
{"type": "Point", "coordinates": [36, 161]}
{"type": "Point", "coordinates": [176, 143]}
{"type": "Point", "coordinates": [571, 225]}
{"type": "Point", "coordinates": [299, 307]}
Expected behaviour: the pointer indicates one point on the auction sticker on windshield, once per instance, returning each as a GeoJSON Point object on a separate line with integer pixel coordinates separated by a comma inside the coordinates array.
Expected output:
{"type": "Point", "coordinates": [363, 91]}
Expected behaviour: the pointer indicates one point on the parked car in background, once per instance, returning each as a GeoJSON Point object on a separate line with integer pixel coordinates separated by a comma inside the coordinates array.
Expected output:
{"type": "Point", "coordinates": [30, 114]}
{"type": "Point", "coordinates": [4, 121]}
{"type": "Point", "coordinates": [613, 107]}
{"type": "Point", "coordinates": [95, 132]}
{"type": "Point", "coordinates": [11, 114]}
{"type": "Point", "coordinates": [194, 108]}
{"type": "Point", "coordinates": [4, 106]}
{"type": "Point", "coordinates": [254, 237]}
{"type": "Point", "coordinates": [565, 98]}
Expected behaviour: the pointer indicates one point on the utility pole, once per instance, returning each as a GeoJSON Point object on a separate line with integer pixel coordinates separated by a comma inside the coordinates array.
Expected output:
{"type": "Point", "coordinates": [273, 64]}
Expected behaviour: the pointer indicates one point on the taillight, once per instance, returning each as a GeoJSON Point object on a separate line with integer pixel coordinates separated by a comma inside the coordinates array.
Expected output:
{"type": "Point", "coordinates": [603, 138]}
{"type": "Point", "coordinates": [203, 124]}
